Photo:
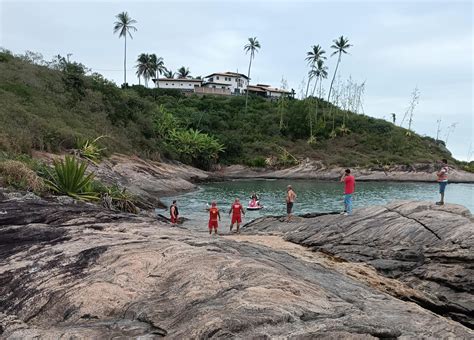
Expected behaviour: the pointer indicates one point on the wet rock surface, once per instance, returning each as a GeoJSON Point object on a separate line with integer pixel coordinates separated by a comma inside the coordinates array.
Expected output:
{"type": "Point", "coordinates": [83, 272]}
{"type": "Point", "coordinates": [428, 247]}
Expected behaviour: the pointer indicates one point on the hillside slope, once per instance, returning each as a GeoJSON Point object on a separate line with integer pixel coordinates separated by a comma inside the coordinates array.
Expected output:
{"type": "Point", "coordinates": [54, 105]}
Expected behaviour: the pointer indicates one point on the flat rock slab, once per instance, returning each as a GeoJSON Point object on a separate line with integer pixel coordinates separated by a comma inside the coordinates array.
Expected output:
{"type": "Point", "coordinates": [90, 273]}
{"type": "Point", "coordinates": [429, 247]}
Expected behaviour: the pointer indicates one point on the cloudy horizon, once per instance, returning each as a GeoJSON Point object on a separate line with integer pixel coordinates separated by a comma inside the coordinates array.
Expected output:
{"type": "Point", "coordinates": [396, 47]}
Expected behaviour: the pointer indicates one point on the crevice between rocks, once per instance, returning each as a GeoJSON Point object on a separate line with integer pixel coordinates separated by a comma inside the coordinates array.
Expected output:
{"type": "Point", "coordinates": [417, 221]}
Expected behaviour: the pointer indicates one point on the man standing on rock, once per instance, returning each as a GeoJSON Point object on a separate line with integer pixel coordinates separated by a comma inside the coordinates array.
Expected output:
{"type": "Point", "coordinates": [237, 211]}
{"type": "Point", "coordinates": [174, 213]}
{"type": "Point", "coordinates": [349, 188]}
{"type": "Point", "coordinates": [290, 201]}
{"type": "Point", "coordinates": [214, 214]}
{"type": "Point", "coordinates": [442, 179]}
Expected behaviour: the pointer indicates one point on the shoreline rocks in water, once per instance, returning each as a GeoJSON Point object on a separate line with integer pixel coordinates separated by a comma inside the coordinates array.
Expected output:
{"type": "Point", "coordinates": [81, 271]}
{"type": "Point", "coordinates": [318, 171]}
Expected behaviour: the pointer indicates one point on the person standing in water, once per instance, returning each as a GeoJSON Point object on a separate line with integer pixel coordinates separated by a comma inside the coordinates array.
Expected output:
{"type": "Point", "coordinates": [349, 188]}
{"type": "Point", "coordinates": [214, 214]}
{"type": "Point", "coordinates": [174, 213]}
{"type": "Point", "coordinates": [290, 201]}
{"type": "Point", "coordinates": [442, 179]}
{"type": "Point", "coordinates": [237, 211]}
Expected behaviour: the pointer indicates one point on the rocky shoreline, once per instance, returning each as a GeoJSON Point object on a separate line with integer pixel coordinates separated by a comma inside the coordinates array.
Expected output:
{"type": "Point", "coordinates": [76, 270]}
{"type": "Point", "coordinates": [318, 171]}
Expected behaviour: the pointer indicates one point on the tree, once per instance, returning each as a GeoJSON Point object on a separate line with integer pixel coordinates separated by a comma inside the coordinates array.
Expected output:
{"type": "Point", "coordinates": [183, 72]}
{"type": "Point", "coordinates": [340, 46]}
{"type": "Point", "coordinates": [415, 97]}
{"type": "Point", "coordinates": [251, 47]}
{"type": "Point", "coordinates": [142, 67]}
{"type": "Point", "coordinates": [123, 26]}
{"type": "Point", "coordinates": [168, 73]}
{"type": "Point", "coordinates": [146, 67]}
{"type": "Point", "coordinates": [158, 65]}
{"type": "Point", "coordinates": [313, 56]}
{"type": "Point", "coordinates": [320, 71]}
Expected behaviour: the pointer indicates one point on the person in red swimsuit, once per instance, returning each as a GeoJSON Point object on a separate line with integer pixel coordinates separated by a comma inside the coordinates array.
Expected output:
{"type": "Point", "coordinates": [237, 211]}
{"type": "Point", "coordinates": [214, 215]}
{"type": "Point", "coordinates": [174, 213]}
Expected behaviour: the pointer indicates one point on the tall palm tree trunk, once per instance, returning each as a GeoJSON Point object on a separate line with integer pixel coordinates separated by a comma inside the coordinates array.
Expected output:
{"type": "Point", "coordinates": [248, 83]}
{"type": "Point", "coordinates": [321, 89]}
{"type": "Point", "coordinates": [334, 76]}
{"type": "Point", "coordinates": [125, 62]}
{"type": "Point", "coordinates": [307, 87]}
{"type": "Point", "coordinates": [314, 88]}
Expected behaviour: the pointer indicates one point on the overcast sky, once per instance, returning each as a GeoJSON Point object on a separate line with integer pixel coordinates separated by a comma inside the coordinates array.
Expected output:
{"type": "Point", "coordinates": [397, 46]}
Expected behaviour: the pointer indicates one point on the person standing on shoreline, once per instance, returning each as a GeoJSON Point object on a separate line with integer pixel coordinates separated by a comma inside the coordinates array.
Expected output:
{"type": "Point", "coordinates": [442, 179]}
{"type": "Point", "coordinates": [349, 188]}
{"type": "Point", "coordinates": [237, 211]}
{"type": "Point", "coordinates": [290, 201]}
{"type": "Point", "coordinates": [214, 214]}
{"type": "Point", "coordinates": [174, 213]}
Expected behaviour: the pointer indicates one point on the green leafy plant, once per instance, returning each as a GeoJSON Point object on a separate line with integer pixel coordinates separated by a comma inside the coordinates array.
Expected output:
{"type": "Point", "coordinates": [115, 197]}
{"type": "Point", "coordinates": [91, 150]}
{"type": "Point", "coordinates": [286, 158]}
{"type": "Point", "coordinates": [69, 178]}
{"type": "Point", "coordinates": [195, 147]}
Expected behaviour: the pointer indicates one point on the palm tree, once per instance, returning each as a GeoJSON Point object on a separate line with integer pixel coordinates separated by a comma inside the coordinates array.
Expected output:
{"type": "Point", "coordinates": [168, 73]}
{"type": "Point", "coordinates": [313, 56]}
{"type": "Point", "coordinates": [123, 25]}
{"type": "Point", "coordinates": [141, 66]}
{"type": "Point", "coordinates": [183, 72]}
{"type": "Point", "coordinates": [145, 67]}
{"type": "Point", "coordinates": [340, 46]}
{"type": "Point", "coordinates": [158, 66]}
{"type": "Point", "coordinates": [251, 47]}
{"type": "Point", "coordinates": [320, 71]}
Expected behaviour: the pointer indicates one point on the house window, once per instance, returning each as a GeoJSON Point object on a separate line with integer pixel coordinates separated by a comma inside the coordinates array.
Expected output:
{"type": "Point", "coordinates": [211, 79]}
{"type": "Point", "coordinates": [213, 86]}
{"type": "Point", "coordinates": [181, 84]}
{"type": "Point", "coordinates": [166, 83]}
{"type": "Point", "coordinates": [190, 85]}
{"type": "Point", "coordinates": [217, 77]}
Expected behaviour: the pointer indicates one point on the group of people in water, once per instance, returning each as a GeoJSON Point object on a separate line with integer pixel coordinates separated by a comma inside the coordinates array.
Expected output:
{"type": "Point", "coordinates": [237, 210]}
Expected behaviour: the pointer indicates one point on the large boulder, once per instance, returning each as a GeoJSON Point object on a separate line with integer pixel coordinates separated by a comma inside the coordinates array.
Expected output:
{"type": "Point", "coordinates": [428, 247]}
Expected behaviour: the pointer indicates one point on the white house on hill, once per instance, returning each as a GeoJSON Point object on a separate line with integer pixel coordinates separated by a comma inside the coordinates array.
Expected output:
{"type": "Point", "coordinates": [183, 84]}
{"type": "Point", "coordinates": [236, 82]}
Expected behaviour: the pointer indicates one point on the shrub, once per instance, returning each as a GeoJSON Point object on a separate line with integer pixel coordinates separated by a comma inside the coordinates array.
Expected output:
{"type": "Point", "coordinates": [194, 147]}
{"type": "Point", "coordinates": [90, 149]}
{"type": "Point", "coordinates": [257, 162]}
{"type": "Point", "coordinates": [115, 198]}
{"type": "Point", "coordinates": [69, 178]}
{"type": "Point", "coordinates": [18, 175]}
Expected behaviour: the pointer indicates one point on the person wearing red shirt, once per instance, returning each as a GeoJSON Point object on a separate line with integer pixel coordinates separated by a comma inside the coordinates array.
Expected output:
{"type": "Point", "coordinates": [214, 214]}
{"type": "Point", "coordinates": [349, 188]}
{"type": "Point", "coordinates": [237, 211]}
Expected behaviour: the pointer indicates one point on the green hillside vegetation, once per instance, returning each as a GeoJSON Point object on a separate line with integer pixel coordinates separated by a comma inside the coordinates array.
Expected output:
{"type": "Point", "coordinates": [54, 106]}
